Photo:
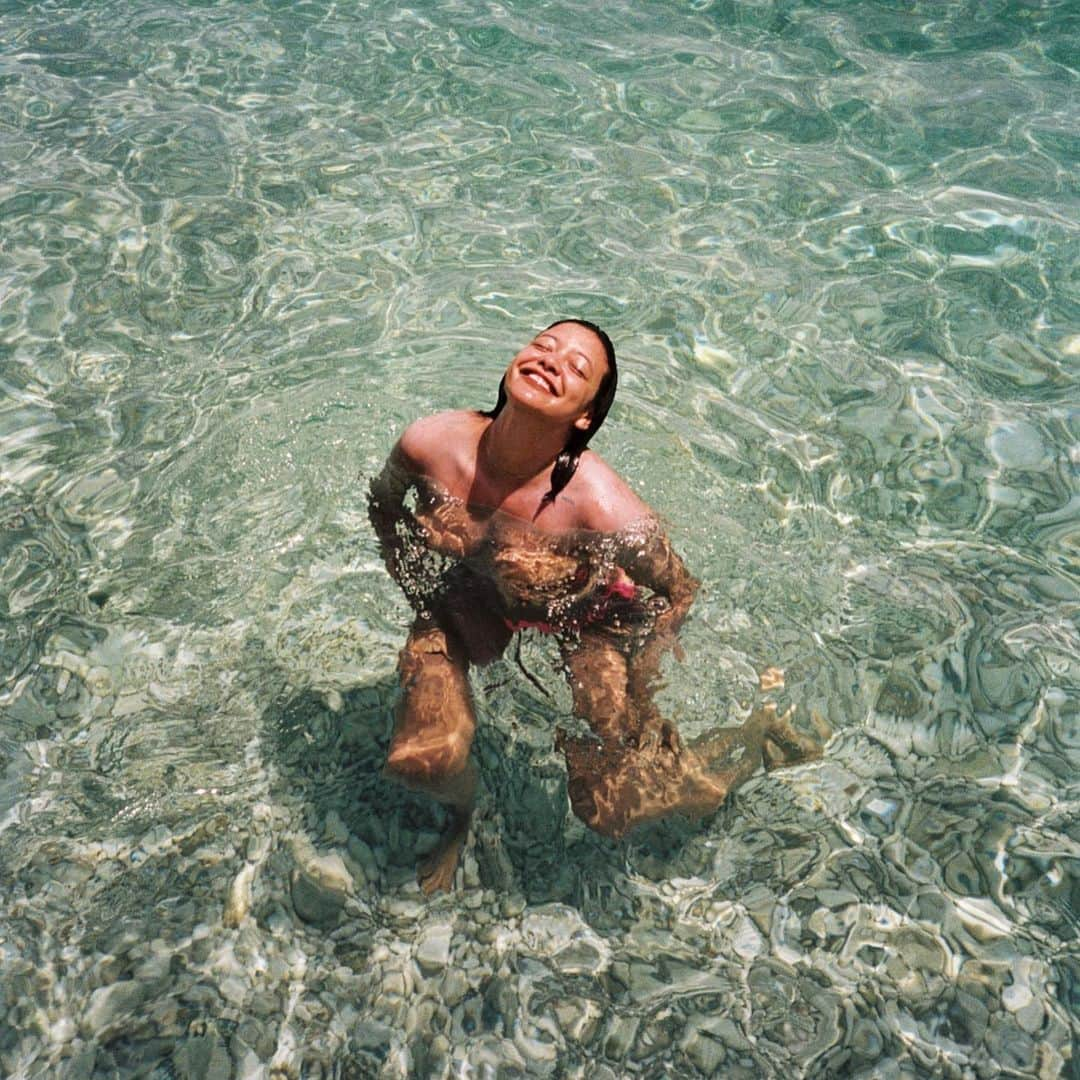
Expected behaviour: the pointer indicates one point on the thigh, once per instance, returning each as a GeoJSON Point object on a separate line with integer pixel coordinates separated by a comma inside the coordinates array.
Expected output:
{"type": "Point", "coordinates": [435, 722]}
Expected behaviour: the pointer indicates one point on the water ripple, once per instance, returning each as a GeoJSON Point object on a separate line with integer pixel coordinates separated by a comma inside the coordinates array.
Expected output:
{"type": "Point", "coordinates": [242, 246]}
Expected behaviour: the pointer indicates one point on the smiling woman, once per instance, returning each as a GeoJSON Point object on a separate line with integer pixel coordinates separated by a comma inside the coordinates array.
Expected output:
{"type": "Point", "coordinates": [513, 524]}
{"type": "Point", "coordinates": [553, 398]}
{"type": "Point", "coordinates": [583, 367]}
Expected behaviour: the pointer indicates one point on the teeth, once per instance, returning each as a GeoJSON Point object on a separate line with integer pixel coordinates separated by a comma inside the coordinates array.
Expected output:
{"type": "Point", "coordinates": [541, 382]}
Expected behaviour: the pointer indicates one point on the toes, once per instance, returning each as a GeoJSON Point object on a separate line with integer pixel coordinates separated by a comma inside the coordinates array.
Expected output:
{"type": "Point", "coordinates": [763, 718]}
{"type": "Point", "coordinates": [772, 755]}
{"type": "Point", "coordinates": [782, 729]}
{"type": "Point", "coordinates": [438, 879]}
{"type": "Point", "coordinates": [436, 870]}
{"type": "Point", "coordinates": [785, 745]}
{"type": "Point", "coordinates": [821, 726]}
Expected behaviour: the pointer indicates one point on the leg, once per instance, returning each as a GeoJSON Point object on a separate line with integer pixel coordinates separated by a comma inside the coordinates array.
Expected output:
{"type": "Point", "coordinates": [636, 769]}
{"type": "Point", "coordinates": [436, 722]}
{"type": "Point", "coordinates": [433, 734]}
{"type": "Point", "coordinates": [614, 787]}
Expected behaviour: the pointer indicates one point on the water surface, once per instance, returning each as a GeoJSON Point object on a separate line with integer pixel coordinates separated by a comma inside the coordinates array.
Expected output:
{"type": "Point", "coordinates": [242, 244]}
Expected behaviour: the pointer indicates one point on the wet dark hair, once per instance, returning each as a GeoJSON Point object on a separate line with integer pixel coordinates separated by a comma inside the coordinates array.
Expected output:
{"type": "Point", "coordinates": [567, 462]}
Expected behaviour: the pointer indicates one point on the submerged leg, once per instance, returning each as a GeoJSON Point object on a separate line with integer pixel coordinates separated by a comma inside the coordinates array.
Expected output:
{"type": "Point", "coordinates": [635, 769]}
{"type": "Point", "coordinates": [432, 738]}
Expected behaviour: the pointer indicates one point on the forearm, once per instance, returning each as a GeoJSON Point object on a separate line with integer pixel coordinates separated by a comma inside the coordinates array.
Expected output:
{"type": "Point", "coordinates": [660, 569]}
{"type": "Point", "coordinates": [385, 510]}
{"type": "Point", "coordinates": [402, 539]}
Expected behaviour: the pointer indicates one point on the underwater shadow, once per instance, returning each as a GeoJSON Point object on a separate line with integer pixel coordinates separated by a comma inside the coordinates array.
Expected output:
{"type": "Point", "coordinates": [328, 750]}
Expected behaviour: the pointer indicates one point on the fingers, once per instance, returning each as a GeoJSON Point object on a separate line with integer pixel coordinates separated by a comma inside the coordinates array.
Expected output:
{"type": "Point", "coordinates": [772, 678]}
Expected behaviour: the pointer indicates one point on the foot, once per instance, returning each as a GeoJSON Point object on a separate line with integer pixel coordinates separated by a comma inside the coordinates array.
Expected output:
{"type": "Point", "coordinates": [436, 870]}
{"type": "Point", "coordinates": [783, 744]}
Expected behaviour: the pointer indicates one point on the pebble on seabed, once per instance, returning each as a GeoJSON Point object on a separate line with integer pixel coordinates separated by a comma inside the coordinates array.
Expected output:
{"type": "Point", "coordinates": [290, 950]}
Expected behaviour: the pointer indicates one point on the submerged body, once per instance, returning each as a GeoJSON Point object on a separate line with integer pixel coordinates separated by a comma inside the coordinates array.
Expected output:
{"type": "Point", "coordinates": [613, 600]}
{"type": "Point", "coordinates": [471, 530]}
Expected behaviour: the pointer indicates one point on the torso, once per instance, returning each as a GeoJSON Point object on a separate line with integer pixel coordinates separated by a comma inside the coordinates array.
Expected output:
{"type": "Point", "coordinates": [532, 570]}
{"type": "Point", "coordinates": [540, 563]}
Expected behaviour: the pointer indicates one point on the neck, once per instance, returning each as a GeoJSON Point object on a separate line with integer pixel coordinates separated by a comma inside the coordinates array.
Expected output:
{"type": "Point", "coordinates": [518, 446]}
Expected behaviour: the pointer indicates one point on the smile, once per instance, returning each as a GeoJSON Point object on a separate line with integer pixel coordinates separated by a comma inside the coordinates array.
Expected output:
{"type": "Point", "coordinates": [542, 381]}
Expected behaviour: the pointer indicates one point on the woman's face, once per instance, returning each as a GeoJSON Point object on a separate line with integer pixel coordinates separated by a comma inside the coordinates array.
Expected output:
{"type": "Point", "coordinates": [559, 373]}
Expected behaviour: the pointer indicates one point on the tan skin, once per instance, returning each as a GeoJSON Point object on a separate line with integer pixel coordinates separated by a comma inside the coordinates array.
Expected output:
{"type": "Point", "coordinates": [490, 478]}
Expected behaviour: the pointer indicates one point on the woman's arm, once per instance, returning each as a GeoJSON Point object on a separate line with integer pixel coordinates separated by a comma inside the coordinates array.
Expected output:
{"type": "Point", "coordinates": [424, 446]}
{"type": "Point", "coordinates": [650, 561]}
{"type": "Point", "coordinates": [396, 497]}
{"type": "Point", "coordinates": [408, 517]}
{"type": "Point", "coordinates": [386, 509]}
{"type": "Point", "coordinates": [645, 555]}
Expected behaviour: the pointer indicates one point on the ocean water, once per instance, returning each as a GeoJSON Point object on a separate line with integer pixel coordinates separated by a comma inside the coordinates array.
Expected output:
{"type": "Point", "coordinates": [242, 244]}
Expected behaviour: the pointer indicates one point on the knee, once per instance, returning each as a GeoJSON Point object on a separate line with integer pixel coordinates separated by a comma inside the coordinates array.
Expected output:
{"type": "Point", "coordinates": [428, 758]}
{"type": "Point", "coordinates": [607, 820]}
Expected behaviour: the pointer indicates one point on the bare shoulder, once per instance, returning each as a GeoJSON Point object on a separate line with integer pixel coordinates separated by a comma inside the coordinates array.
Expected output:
{"type": "Point", "coordinates": [605, 500]}
{"type": "Point", "coordinates": [438, 445]}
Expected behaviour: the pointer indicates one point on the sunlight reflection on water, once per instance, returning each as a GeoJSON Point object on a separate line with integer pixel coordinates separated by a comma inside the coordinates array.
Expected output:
{"type": "Point", "coordinates": [241, 247]}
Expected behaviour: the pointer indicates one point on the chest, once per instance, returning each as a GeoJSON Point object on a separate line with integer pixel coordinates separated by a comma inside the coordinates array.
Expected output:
{"type": "Point", "coordinates": [469, 532]}
{"type": "Point", "coordinates": [466, 512]}
{"type": "Point", "coordinates": [529, 568]}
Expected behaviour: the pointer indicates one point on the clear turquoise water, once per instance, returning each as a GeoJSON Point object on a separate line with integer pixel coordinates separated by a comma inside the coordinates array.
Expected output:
{"type": "Point", "coordinates": [242, 244]}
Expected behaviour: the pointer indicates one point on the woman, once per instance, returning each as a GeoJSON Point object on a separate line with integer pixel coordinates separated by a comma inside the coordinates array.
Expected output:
{"type": "Point", "coordinates": [514, 524]}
